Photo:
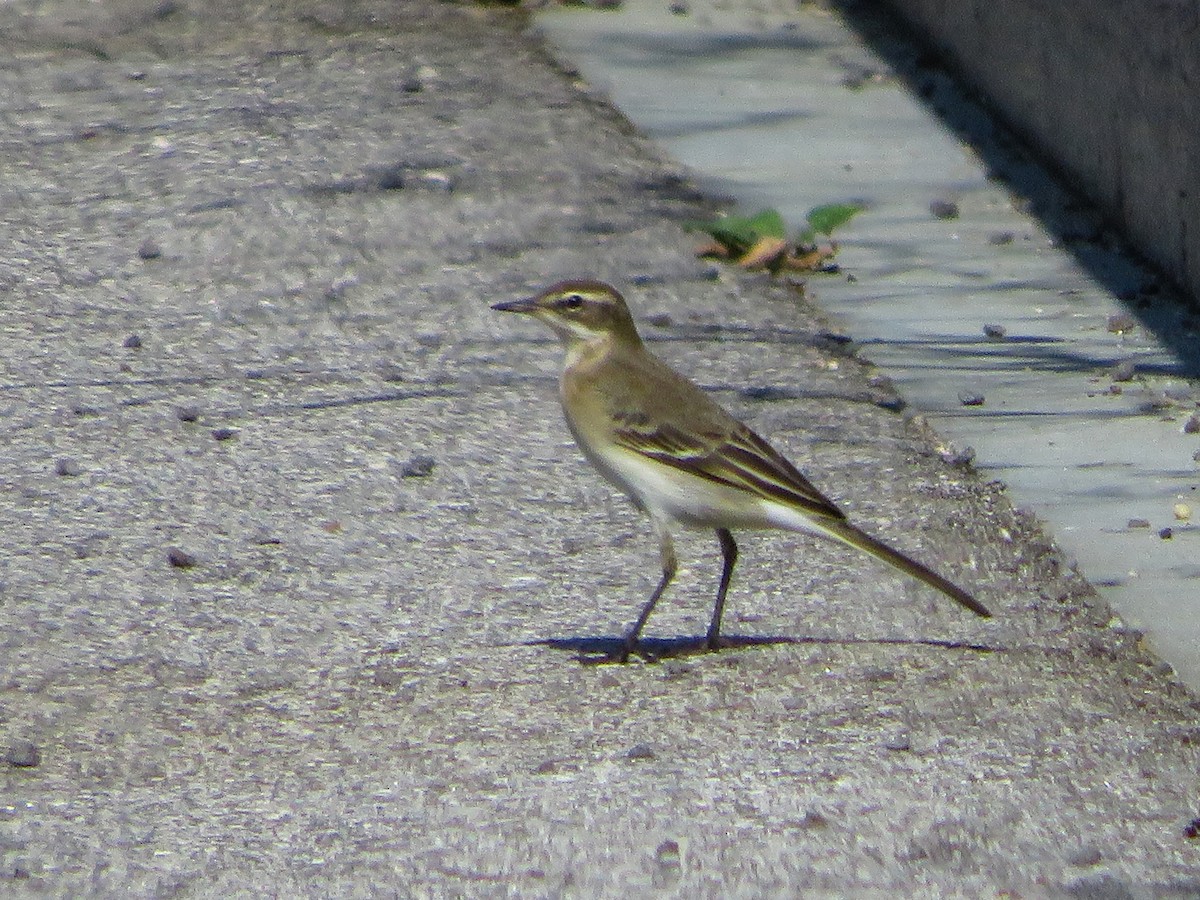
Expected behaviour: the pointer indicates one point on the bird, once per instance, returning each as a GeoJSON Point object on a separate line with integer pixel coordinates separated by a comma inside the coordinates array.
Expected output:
{"type": "Point", "coordinates": [681, 457]}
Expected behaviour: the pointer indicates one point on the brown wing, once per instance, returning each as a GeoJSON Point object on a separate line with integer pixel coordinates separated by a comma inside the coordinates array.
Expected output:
{"type": "Point", "coordinates": [738, 458]}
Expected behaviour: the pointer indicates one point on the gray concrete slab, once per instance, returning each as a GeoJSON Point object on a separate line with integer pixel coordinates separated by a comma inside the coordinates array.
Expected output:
{"type": "Point", "coordinates": [368, 680]}
{"type": "Point", "coordinates": [1106, 90]}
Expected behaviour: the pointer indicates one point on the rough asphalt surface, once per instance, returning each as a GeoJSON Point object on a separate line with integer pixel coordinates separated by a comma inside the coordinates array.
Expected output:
{"type": "Point", "coordinates": [302, 573]}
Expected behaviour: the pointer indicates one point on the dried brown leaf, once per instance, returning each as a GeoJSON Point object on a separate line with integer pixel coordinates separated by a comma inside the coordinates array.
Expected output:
{"type": "Point", "coordinates": [807, 260]}
{"type": "Point", "coordinates": [765, 252]}
{"type": "Point", "coordinates": [712, 249]}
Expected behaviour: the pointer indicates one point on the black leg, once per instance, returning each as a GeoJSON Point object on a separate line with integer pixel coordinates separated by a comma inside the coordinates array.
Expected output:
{"type": "Point", "coordinates": [669, 566]}
{"type": "Point", "coordinates": [729, 551]}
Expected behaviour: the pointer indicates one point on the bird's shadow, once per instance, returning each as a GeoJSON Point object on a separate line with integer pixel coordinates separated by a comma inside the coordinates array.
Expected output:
{"type": "Point", "coordinates": [602, 650]}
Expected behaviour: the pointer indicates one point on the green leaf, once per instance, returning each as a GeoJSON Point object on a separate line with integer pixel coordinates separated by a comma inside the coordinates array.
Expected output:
{"type": "Point", "coordinates": [740, 233]}
{"type": "Point", "coordinates": [824, 219]}
{"type": "Point", "coordinates": [767, 223]}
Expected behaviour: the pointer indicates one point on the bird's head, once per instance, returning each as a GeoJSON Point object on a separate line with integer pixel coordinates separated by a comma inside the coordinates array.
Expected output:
{"type": "Point", "coordinates": [580, 311]}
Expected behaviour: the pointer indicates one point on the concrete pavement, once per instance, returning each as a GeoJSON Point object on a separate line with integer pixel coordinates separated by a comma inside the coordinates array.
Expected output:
{"type": "Point", "coordinates": [302, 570]}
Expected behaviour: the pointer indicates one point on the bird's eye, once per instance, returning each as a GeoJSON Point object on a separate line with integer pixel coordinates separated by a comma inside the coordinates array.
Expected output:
{"type": "Point", "coordinates": [572, 301]}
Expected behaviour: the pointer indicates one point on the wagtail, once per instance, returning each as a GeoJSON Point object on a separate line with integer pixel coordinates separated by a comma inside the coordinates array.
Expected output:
{"type": "Point", "coordinates": [681, 457]}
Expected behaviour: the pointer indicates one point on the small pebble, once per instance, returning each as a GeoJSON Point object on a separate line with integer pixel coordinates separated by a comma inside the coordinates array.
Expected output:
{"type": "Point", "coordinates": [944, 209]}
{"type": "Point", "coordinates": [813, 819]}
{"type": "Point", "coordinates": [1138, 523]}
{"type": "Point", "coordinates": [1123, 371]}
{"type": "Point", "coordinates": [667, 854]}
{"type": "Point", "coordinates": [860, 77]}
{"type": "Point", "coordinates": [660, 320]}
{"type": "Point", "coordinates": [640, 751]}
{"type": "Point", "coordinates": [967, 398]}
{"type": "Point", "coordinates": [133, 342]}
{"type": "Point", "coordinates": [898, 742]}
{"type": "Point", "coordinates": [67, 467]}
{"type": "Point", "coordinates": [338, 287]}
{"type": "Point", "coordinates": [23, 754]}
{"type": "Point", "coordinates": [418, 466]}
{"type": "Point", "coordinates": [180, 559]}
{"type": "Point", "coordinates": [956, 457]}
{"type": "Point", "coordinates": [224, 434]}
{"type": "Point", "coordinates": [1119, 323]}
{"type": "Point", "coordinates": [430, 339]}
{"type": "Point", "coordinates": [1166, 534]}
{"type": "Point", "coordinates": [149, 249]}
{"type": "Point", "coordinates": [390, 677]}
{"type": "Point", "coordinates": [411, 83]}
{"type": "Point", "coordinates": [188, 413]}
{"type": "Point", "coordinates": [1085, 856]}
{"type": "Point", "coordinates": [679, 8]}
{"type": "Point", "coordinates": [995, 332]}
{"type": "Point", "coordinates": [674, 668]}
{"type": "Point", "coordinates": [1182, 512]}
{"type": "Point", "coordinates": [1191, 830]}
{"type": "Point", "coordinates": [1000, 238]}
{"type": "Point", "coordinates": [1192, 425]}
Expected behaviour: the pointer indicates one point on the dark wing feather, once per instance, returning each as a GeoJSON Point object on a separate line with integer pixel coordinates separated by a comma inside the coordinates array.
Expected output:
{"type": "Point", "coordinates": [738, 459]}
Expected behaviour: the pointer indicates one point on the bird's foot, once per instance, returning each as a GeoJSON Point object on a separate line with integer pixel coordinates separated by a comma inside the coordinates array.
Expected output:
{"type": "Point", "coordinates": [628, 648]}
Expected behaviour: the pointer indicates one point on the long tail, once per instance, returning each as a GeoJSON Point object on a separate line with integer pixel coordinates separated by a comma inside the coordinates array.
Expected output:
{"type": "Point", "coordinates": [848, 534]}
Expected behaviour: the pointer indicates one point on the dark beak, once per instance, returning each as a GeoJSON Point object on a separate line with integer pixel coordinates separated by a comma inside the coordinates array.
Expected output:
{"type": "Point", "coordinates": [528, 305]}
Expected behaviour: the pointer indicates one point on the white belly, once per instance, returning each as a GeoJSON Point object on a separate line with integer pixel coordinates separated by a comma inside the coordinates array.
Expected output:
{"type": "Point", "coordinates": [670, 493]}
